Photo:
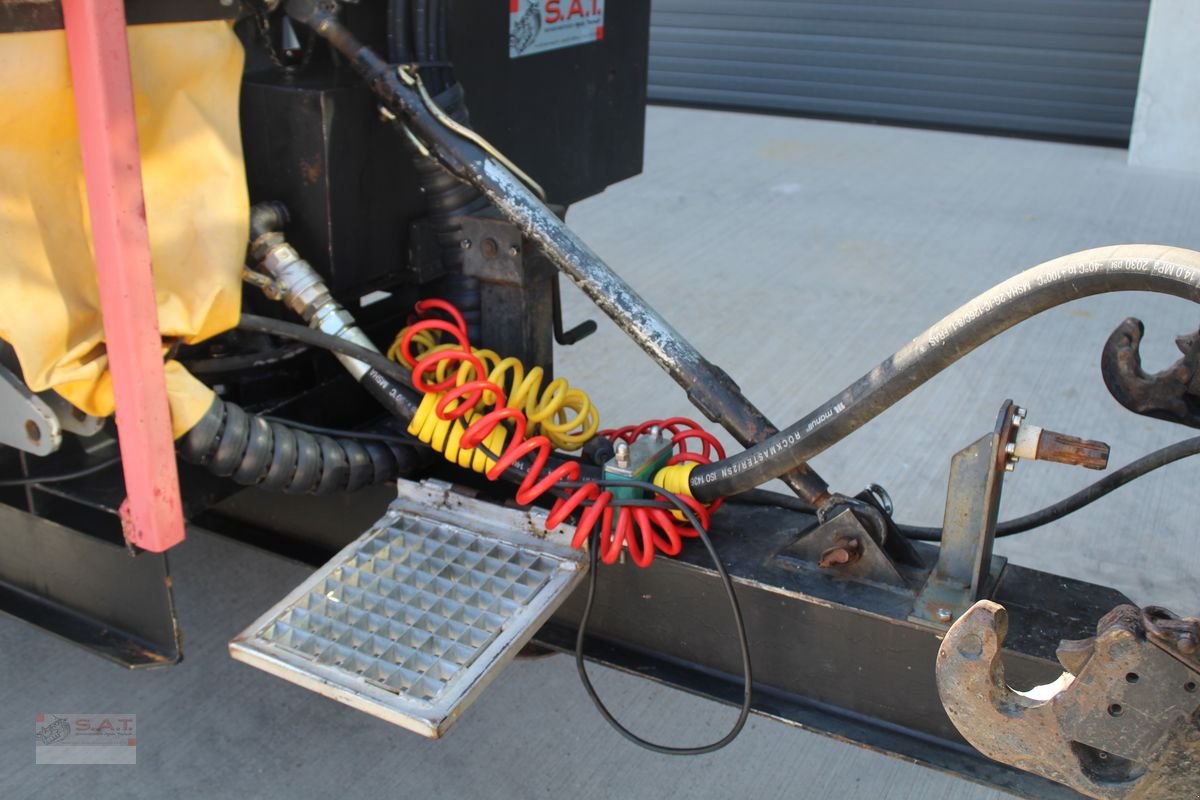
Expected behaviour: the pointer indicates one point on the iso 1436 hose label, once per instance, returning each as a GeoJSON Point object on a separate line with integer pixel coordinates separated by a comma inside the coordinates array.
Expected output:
{"type": "Point", "coordinates": [535, 26]}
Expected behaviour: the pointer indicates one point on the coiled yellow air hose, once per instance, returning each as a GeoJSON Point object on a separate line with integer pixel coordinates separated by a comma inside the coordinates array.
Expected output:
{"type": "Point", "coordinates": [563, 414]}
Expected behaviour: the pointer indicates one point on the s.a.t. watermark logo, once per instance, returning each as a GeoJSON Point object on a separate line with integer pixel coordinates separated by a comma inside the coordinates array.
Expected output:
{"type": "Point", "coordinates": [85, 739]}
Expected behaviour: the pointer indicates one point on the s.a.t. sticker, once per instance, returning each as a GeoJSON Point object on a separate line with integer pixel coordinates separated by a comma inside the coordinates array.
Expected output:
{"type": "Point", "coordinates": [535, 26]}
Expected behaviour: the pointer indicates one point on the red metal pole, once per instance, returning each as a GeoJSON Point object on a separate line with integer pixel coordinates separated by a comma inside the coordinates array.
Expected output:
{"type": "Point", "coordinates": [151, 515]}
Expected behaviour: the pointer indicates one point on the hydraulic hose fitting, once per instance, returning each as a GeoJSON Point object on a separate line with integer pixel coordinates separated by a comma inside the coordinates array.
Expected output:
{"type": "Point", "coordinates": [305, 292]}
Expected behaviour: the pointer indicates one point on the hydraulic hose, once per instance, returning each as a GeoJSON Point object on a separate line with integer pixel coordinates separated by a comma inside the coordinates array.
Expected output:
{"type": "Point", "coordinates": [253, 451]}
{"type": "Point", "coordinates": [1134, 267]}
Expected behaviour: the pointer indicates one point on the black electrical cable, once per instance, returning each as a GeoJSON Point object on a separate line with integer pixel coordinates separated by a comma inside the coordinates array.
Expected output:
{"type": "Point", "coordinates": [1068, 505]}
{"type": "Point", "coordinates": [739, 623]}
{"type": "Point", "coordinates": [302, 333]}
{"type": "Point", "coordinates": [83, 472]}
{"type": "Point", "coordinates": [593, 569]}
{"type": "Point", "coordinates": [1155, 268]}
{"type": "Point", "coordinates": [1089, 494]}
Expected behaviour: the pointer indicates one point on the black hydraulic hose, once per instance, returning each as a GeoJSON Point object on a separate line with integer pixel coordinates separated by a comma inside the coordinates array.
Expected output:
{"type": "Point", "coordinates": [1135, 267]}
{"type": "Point", "coordinates": [267, 217]}
{"type": "Point", "coordinates": [256, 451]}
{"type": "Point", "coordinates": [302, 333]}
{"type": "Point", "coordinates": [386, 381]}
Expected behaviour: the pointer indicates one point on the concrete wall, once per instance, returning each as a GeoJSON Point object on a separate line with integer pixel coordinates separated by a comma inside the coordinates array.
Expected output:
{"type": "Point", "coordinates": [1166, 122]}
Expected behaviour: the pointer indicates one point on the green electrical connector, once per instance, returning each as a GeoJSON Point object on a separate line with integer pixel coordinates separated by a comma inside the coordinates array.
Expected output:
{"type": "Point", "coordinates": [638, 461]}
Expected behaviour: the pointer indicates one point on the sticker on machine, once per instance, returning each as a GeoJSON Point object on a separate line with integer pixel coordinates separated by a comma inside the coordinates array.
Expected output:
{"type": "Point", "coordinates": [535, 26]}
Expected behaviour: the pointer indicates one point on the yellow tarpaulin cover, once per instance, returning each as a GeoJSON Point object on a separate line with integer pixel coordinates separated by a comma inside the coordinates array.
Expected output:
{"type": "Point", "coordinates": [186, 79]}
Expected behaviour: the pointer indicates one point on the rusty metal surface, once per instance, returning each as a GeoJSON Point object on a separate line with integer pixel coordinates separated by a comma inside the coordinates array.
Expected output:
{"type": "Point", "coordinates": [516, 288]}
{"type": "Point", "coordinates": [1172, 394]}
{"type": "Point", "coordinates": [1071, 450]}
{"type": "Point", "coordinates": [1122, 722]}
{"type": "Point", "coordinates": [844, 548]}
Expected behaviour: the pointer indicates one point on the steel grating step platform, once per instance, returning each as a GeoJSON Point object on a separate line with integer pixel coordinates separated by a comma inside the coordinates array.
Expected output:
{"type": "Point", "coordinates": [412, 620]}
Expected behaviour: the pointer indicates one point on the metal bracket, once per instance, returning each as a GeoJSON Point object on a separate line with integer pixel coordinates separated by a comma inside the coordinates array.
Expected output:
{"type": "Point", "coordinates": [969, 526]}
{"type": "Point", "coordinates": [27, 422]}
{"type": "Point", "coordinates": [965, 560]}
{"type": "Point", "coordinates": [516, 286]}
{"type": "Point", "coordinates": [846, 544]}
{"type": "Point", "coordinates": [1120, 723]}
{"type": "Point", "coordinates": [89, 591]}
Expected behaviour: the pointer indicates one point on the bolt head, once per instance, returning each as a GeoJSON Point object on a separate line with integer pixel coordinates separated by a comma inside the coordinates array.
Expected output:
{"type": "Point", "coordinates": [1010, 448]}
{"type": "Point", "coordinates": [1016, 420]}
{"type": "Point", "coordinates": [465, 244]}
{"type": "Point", "coordinates": [944, 615]}
{"type": "Point", "coordinates": [1011, 466]}
{"type": "Point", "coordinates": [514, 251]}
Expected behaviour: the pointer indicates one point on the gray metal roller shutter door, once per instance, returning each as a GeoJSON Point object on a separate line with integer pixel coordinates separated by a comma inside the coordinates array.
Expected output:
{"type": "Point", "coordinates": [1042, 67]}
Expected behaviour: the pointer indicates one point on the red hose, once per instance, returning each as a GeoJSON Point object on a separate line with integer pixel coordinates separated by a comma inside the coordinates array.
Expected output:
{"type": "Point", "coordinates": [642, 530]}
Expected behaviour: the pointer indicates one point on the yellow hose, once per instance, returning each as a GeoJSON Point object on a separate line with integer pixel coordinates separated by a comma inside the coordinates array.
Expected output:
{"type": "Point", "coordinates": [563, 414]}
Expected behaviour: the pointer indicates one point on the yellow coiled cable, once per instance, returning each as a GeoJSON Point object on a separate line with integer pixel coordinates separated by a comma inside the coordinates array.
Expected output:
{"type": "Point", "coordinates": [563, 414]}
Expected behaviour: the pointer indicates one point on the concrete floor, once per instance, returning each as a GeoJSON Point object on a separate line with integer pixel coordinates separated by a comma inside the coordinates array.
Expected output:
{"type": "Point", "coordinates": [797, 254]}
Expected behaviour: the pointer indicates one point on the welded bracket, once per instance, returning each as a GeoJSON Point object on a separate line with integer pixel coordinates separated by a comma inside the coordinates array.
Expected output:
{"type": "Point", "coordinates": [969, 527]}
{"type": "Point", "coordinates": [1122, 722]}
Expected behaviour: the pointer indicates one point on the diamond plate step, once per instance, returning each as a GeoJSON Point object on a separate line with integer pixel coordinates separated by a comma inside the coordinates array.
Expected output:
{"type": "Point", "coordinates": [412, 620]}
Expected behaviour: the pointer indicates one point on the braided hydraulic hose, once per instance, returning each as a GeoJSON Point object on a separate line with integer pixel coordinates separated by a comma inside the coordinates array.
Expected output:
{"type": "Point", "coordinates": [1130, 267]}
{"type": "Point", "coordinates": [233, 443]}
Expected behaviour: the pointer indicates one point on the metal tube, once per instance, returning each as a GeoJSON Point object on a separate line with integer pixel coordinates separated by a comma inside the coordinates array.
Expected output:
{"type": "Point", "coordinates": [708, 387]}
{"type": "Point", "coordinates": [152, 514]}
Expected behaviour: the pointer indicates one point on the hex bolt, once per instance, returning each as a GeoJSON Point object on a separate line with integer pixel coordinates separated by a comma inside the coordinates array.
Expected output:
{"type": "Point", "coordinates": [465, 244]}
{"type": "Point", "coordinates": [944, 615]}
{"type": "Point", "coordinates": [622, 455]}
{"type": "Point", "coordinates": [514, 251]}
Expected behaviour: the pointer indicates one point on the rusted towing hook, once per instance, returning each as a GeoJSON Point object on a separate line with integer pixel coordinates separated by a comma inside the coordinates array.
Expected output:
{"type": "Point", "coordinates": [1173, 394]}
{"type": "Point", "coordinates": [1123, 720]}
